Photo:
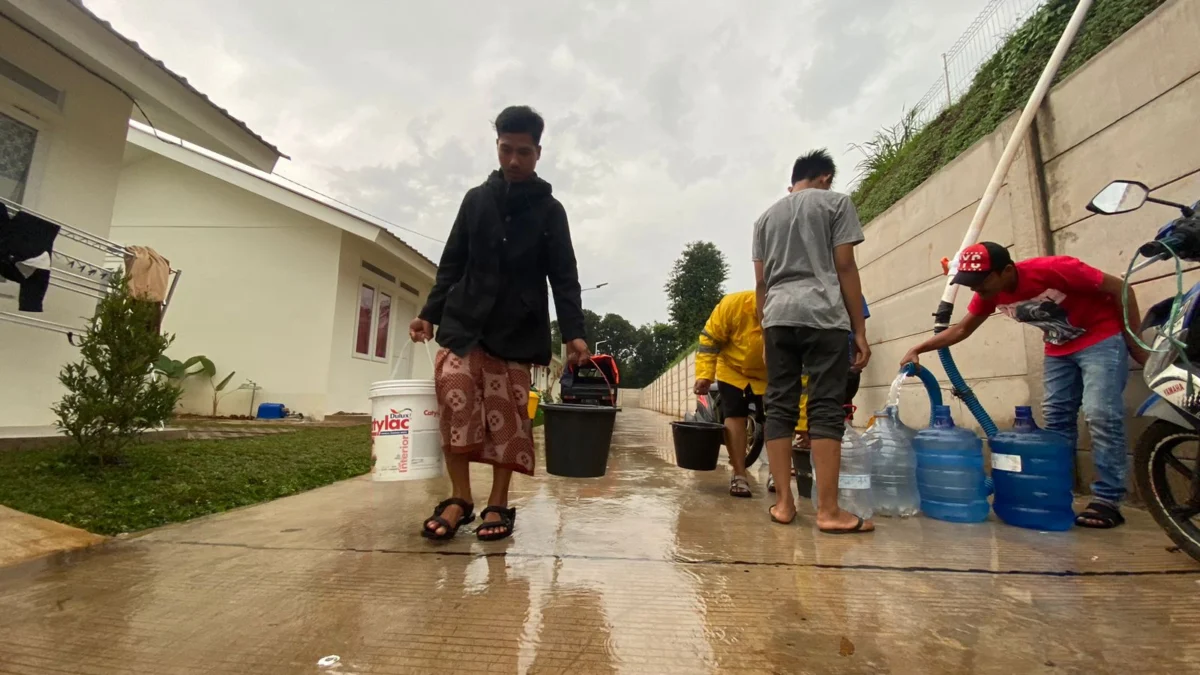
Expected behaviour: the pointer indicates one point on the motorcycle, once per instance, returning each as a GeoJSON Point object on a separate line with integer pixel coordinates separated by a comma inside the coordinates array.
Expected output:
{"type": "Point", "coordinates": [708, 409]}
{"type": "Point", "coordinates": [1167, 477]}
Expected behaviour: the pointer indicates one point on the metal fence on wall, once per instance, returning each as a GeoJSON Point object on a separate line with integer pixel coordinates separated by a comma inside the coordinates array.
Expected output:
{"type": "Point", "coordinates": [974, 47]}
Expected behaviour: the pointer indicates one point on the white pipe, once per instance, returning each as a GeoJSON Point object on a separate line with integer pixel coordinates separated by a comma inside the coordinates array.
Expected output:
{"type": "Point", "coordinates": [1014, 142]}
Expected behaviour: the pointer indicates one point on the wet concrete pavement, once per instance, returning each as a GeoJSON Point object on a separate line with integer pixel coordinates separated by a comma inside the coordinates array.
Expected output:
{"type": "Point", "coordinates": [650, 569]}
{"type": "Point", "coordinates": [23, 537]}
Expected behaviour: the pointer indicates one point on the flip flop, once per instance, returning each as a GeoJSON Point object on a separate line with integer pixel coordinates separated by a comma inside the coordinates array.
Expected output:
{"type": "Point", "coordinates": [857, 529]}
{"type": "Point", "coordinates": [771, 512]}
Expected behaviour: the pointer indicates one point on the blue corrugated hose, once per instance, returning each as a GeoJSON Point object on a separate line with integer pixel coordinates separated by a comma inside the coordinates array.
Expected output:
{"type": "Point", "coordinates": [931, 386]}
{"type": "Point", "coordinates": [964, 392]}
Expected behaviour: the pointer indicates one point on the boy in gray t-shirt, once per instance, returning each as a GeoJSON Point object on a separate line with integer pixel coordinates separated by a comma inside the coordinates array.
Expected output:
{"type": "Point", "coordinates": [811, 299]}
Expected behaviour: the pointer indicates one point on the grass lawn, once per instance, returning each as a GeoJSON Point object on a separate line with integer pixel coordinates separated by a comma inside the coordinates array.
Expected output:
{"type": "Point", "coordinates": [171, 481]}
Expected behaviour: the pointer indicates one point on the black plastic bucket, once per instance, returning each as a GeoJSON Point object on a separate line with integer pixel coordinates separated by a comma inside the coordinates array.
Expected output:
{"type": "Point", "coordinates": [802, 463]}
{"type": "Point", "coordinates": [697, 444]}
{"type": "Point", "coordinates": [578, 438]}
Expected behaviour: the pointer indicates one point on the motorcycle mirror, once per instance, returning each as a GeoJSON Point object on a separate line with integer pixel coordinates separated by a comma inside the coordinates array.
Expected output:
{"type": "Point", "coordinates": [1119, 196]}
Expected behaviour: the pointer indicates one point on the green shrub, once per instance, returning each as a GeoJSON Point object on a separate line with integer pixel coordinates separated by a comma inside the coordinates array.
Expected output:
{"type": "Point", "coordinates": [1001, 87]}
{"type": "Point", "coordinates": [113, 396]}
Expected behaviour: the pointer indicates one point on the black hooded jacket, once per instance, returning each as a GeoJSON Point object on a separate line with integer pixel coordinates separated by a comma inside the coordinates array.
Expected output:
{"type": "Point", "coordinates": [490, 291]}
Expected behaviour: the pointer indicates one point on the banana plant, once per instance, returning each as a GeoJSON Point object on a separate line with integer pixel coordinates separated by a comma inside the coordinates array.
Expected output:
{"type": "Point", "coordinates": [218, 387]}
{"type": "Point", "coordinates": [178, 371]}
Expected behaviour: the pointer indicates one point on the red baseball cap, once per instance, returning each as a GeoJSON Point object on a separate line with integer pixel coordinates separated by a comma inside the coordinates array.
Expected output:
{"type": "Point", "coordinates": [977, 261]}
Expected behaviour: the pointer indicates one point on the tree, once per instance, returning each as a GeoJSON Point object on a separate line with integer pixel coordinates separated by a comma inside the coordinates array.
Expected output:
{"type": "Point", "coordinates": [657, 344]}
{"type": "Point", "coordinates": [616, 336]}
{"type": "Point", "coordinates": [694, 288]}
{"type": "Point", "coordinates": [591, 326]}
{"type": "Point", "coordinates": [113, 395]}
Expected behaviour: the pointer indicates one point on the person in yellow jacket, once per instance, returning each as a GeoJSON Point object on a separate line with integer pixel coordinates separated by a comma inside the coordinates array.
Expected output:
{"type": "Point", "coordinates": [731, 354]}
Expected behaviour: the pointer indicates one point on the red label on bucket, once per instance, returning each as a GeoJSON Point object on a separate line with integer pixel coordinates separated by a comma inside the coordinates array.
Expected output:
{"type": "Point", "coordinates": [397, 422]}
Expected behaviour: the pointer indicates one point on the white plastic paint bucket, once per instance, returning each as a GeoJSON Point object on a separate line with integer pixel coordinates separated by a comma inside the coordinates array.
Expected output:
{"type": "Point", "coordinates": [406, 440]}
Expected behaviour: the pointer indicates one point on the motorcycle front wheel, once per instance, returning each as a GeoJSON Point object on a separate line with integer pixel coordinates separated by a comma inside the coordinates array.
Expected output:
{"type": "Point", "coordinates": [755, 441]}
{"type": "Point", "coordinates": [1165, 462]}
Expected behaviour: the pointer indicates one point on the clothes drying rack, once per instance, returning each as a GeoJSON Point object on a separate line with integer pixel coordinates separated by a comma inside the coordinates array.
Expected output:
{"type": "Point", "coordinates": [76, 275]}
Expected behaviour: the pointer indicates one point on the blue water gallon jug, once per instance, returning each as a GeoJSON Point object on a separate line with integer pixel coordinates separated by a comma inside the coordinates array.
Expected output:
{"type": "Point", "coordinates": [950, 475]}
{"type": "Point", "coordinates": [1033, 472]}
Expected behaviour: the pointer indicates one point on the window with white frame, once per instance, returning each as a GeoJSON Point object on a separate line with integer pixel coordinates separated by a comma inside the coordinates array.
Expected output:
{"type": "Point", "coordinates": [372, 337]}
{"type": "Point", "coordinates": [17, 143]}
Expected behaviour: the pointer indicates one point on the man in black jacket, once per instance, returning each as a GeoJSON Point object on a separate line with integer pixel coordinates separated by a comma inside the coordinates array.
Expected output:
{"type": "Point", "coordinates": [490, 305]}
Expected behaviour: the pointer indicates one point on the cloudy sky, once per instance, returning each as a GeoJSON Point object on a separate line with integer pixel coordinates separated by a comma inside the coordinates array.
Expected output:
{"type": "Point", "coordinates": [668, 121]}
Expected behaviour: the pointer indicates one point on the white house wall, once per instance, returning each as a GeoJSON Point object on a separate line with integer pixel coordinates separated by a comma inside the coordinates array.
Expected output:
{"type": "Point", "coordinates": [350, 376]}
{"type": "Point", "coordinates": [73, 179]}
{"type": "Point", "coordinates": [258, 285]}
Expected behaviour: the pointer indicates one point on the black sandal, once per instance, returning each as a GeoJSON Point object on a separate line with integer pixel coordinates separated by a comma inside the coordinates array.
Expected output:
{"type": "Point", "coordinates": [438, 521]}
{"type": "Point", "coordinates": [1106, 515]}
{"type": "Point", "coordinates": [508, 518]}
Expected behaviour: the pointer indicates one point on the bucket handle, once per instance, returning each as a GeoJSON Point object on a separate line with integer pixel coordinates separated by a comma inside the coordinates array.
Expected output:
{"type": "Point", "coordinates": [400, 357]}
{"type": "Point", "coordinates": [612, 391]}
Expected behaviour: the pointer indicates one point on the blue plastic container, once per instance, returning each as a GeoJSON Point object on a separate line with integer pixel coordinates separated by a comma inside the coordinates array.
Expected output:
{"type": "Point", "coordinates": [1033, 472]}
{"type": "Point", "coordinates": [270, 411]}
{"type": "Point", "coordinates": [950, 473]}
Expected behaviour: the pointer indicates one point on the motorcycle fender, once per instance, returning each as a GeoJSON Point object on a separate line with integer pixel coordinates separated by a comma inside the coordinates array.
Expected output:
{"type": "Point", "coordinates": [1157, 407]}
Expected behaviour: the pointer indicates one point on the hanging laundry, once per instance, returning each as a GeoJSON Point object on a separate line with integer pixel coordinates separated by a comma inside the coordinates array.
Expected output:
{"type": "Point", "coordinates": [25, 238]}
{"type": "Point", "coordinates": [146, 274]}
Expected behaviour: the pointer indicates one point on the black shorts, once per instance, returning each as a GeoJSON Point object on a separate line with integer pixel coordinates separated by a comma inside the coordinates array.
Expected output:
{"type": "Point", "coordinates": [736, 402]}
{"type": "Point", "coordinates": [825, 356]}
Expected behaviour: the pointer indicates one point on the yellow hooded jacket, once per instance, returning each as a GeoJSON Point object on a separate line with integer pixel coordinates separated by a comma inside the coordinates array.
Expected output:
{"type": "Point", "coordinates": [731, 349]}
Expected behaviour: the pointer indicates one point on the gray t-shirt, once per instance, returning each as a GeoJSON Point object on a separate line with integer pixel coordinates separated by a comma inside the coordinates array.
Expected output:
{"type": "Point", "coordinates": [794, 239]}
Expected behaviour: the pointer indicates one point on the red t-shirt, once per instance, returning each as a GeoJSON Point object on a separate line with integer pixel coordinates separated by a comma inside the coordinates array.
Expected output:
{"type": "Point", "coordinates": [1061, 296]}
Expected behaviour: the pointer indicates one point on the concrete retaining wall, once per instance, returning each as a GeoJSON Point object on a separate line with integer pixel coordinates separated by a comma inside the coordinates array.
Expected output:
{"type": "Point", "coordinates": [629, 398]}
{"type": "Point", "coordinates": [1126, 114]}
{"type": "Point", "coordinates": [671, 394]}
{"type": "Point", "coordinates": [1129, 113]}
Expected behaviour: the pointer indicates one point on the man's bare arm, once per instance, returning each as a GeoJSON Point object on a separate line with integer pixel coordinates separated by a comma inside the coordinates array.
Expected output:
{"type": "Point", "coordinates": [1132, 314]}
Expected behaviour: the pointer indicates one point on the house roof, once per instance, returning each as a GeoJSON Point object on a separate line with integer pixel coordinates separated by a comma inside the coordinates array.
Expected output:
{"type": "Point", "coordinates": [178, 78]}
{"type": "Point", "coordinates": [177, 107]}
{"type": "Point", "coordinates": [281, 191]}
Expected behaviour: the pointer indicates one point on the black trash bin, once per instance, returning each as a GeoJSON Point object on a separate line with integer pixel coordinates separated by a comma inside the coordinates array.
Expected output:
{"type": "Point", "coordinates": [578, 438]}
{"type": "Point", "coordinates": [697, 444]}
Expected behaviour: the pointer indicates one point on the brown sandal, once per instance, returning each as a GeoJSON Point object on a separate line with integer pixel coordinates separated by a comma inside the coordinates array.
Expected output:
{"type": "Point", "coordinates": [740, 487]}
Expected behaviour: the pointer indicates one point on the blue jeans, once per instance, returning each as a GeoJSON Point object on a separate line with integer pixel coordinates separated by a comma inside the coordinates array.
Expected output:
{"type": "Point", "coordinates": [1094, 379]}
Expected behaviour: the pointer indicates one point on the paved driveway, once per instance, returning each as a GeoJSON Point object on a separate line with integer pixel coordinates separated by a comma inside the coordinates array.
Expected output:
{"type": "Point", "coordinates": [651, 569]}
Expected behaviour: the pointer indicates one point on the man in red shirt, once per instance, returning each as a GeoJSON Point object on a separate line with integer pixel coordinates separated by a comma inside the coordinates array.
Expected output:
{"type": "Point", "coordinates": [1078, 307]}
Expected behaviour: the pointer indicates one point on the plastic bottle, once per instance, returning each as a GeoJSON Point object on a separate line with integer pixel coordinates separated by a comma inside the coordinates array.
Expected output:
{"type": "Point", "coordinates": [854, 479]}
{"type": "Point", "coordinates": [893, 465]}
{"type": "Point", "coordinates": [1034, 475]}
{"type": "Point", "coordinates": [950, 474]}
